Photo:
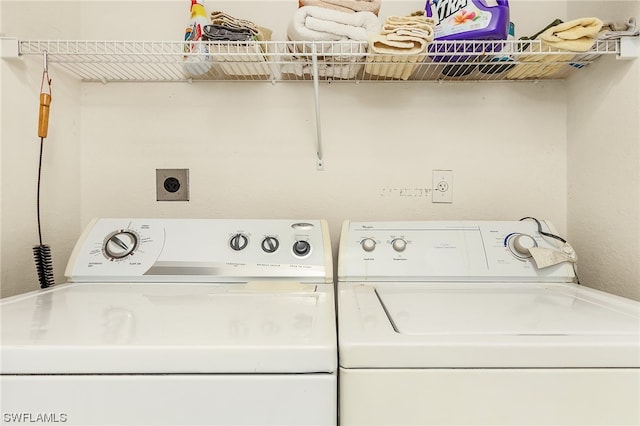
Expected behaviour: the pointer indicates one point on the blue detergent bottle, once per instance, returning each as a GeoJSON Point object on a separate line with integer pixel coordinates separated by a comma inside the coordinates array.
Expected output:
{"type": "Point", "coordinates": [469, 19]}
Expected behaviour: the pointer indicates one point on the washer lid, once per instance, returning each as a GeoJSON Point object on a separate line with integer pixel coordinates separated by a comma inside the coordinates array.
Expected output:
{"type": "Point", "coordinates": [486, 325]}
{"type": "Point", "coordinates": [270, 327]}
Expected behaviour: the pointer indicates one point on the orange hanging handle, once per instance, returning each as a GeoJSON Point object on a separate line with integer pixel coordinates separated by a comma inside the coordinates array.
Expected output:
{"type": "Point", "coordinates": [45, 101]}
{"type": "Point", "coordinates": [43, 119]}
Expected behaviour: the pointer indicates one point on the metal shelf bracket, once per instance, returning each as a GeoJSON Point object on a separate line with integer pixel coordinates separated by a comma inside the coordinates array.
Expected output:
{"type": "Point", "coordinates": [314, 64]}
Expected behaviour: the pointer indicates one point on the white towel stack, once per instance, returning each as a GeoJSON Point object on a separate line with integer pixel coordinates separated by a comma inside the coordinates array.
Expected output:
{"type": "Point", "coordinates": [339, 38]}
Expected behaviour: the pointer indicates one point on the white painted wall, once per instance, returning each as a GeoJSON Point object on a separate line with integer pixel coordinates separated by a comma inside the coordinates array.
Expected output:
{"type": "Point", "coordinates": [250, 147]}
{"type": "Point", "coordinates": [60, 201]}
{"type": "Point", "coordinates": [604, 164]}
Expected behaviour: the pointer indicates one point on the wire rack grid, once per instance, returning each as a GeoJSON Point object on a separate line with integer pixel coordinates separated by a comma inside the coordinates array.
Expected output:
{"type": "Point", "coordinates": [119, 61]}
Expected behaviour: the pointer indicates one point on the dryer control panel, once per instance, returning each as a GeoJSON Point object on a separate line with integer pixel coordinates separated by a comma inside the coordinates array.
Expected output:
{"type": "Point", "coordinates": [447, 251]}
{"type": "Point", "coordinates": [202, 250]}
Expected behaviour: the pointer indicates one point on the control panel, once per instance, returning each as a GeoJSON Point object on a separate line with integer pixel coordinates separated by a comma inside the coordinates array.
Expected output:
{"type": "Point", "coordinates": [447, 251]}
{"type": "Point", "coordinates": [202, 250]}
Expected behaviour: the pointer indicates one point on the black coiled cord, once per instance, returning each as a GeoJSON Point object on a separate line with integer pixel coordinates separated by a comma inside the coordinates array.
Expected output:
{"type": "Point", "coordinates": [541, 232]}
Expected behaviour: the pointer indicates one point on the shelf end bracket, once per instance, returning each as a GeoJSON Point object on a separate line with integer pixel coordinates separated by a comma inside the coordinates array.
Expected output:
{"type": "Point", "coordinates": [9, 48]}
{"type": "Point", "coordinates": [629, 48]}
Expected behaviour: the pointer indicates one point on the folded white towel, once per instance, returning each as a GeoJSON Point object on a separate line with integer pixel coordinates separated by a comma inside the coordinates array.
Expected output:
{"type": "Point", "coordinates": [348, 6]}
{"type": "Point", "coordinates": [312, 23]}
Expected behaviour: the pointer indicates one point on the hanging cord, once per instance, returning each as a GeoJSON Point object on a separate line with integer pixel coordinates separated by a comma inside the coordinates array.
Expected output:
{"type": "Point", "coordinates": [541, 232]}
{"type": "Point", "coordinates": [42, 252]}
{"type": "Point", "coordinates": [555, 237]}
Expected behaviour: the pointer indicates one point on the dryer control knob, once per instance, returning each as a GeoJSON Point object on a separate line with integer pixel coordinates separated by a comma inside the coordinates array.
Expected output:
{"type": "Point", "coordinates": [399, 244]}
{"type": "Point", "coordinates": [368, 244]}
{"type": "Point", "coordinates": [270, 244]}
{"type": "Point", "coordinates": [239, 242]}
{"type": "Point", "coordinates": [301, 248]}
{"type": "Point", "coordinates": [522, 243]}
{"type": "Point", "coordinates": [120, 244]}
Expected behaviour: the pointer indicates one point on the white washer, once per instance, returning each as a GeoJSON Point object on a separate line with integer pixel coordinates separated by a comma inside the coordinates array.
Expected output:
{"type": "Point", "coordinates": [181, 322]}
{"type": "Point", "coordinates": [447, 323]}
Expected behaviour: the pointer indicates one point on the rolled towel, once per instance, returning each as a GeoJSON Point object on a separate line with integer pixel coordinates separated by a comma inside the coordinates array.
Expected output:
{"type": "Point", "coordinates": [397, 44]}
{"type": "Point", "coordinates": [578, 35]}
{"type": "Point", "coordinates": [312, 23]}
{"type": "Point", "coordinates": [396, 55]}
{"type": "Point", "coordinates": [347, 6]}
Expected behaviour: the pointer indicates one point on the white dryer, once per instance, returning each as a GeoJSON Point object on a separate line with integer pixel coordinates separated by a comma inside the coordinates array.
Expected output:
{"type": "Point", "coordinates": [179, 322]}
{"type": "Point", "coordinates": [453, 323]}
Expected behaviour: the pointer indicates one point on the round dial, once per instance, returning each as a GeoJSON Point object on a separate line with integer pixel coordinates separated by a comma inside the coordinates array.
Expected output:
{"type": "Point", "coordinates": [120, 244]}
{"type": "Point", "coordinates": [368, 244]}
{"type": "Point", "coordinates": [270, 244]}
{"type": "Point", "coordinates": [301, 248]}
{"type": "Point", "coordinates": [239, 242]}
{"type": "Point", "coordinates": [520, 244]}
{"type": "Point", "coordinates": [399, 244]}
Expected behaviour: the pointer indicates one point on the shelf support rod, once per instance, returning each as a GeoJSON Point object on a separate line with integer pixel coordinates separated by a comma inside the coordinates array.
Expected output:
{"type": "Point", "coordinates": [314, 63]}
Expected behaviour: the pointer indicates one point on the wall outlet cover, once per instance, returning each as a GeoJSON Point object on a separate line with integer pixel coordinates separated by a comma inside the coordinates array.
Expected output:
{"type": "Point", "coordinates": [172, 184]}
{"type": "Point", "coordinates": [442, 186]}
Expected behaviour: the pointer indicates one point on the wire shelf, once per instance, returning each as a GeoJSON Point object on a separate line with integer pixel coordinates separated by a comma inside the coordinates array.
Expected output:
{"type": "Point", "coordinates": [137, 61]}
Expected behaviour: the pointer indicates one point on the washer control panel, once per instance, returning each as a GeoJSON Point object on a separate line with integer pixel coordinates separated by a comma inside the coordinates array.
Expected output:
{"type": "Point", "coordinates": [446, 250]}
{"type": "Point", "coordinates": [202, 250]}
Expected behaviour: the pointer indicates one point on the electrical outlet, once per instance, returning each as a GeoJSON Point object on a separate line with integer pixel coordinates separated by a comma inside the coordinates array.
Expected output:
{"type": "Point", "coordinates": [172, 184]}
{"type": "Point", "coordinates": [442, 186]}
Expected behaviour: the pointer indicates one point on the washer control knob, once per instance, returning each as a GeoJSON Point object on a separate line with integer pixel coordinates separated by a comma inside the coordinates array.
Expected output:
{"type": "Point", "coordinates": [270, 244]}
{"type": "Point", "coordinates": [522, 243]}
{"type": "Point", "coordinates": [301, 248]}
{"type": "Point", "coordinates": [120, 244]}
{"type": "Point", "coordinates": [399, 244]}
{"type": "Point", "coordinates": [239, 242]}
{"type": "Point", "coordinates": [368, 244]}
